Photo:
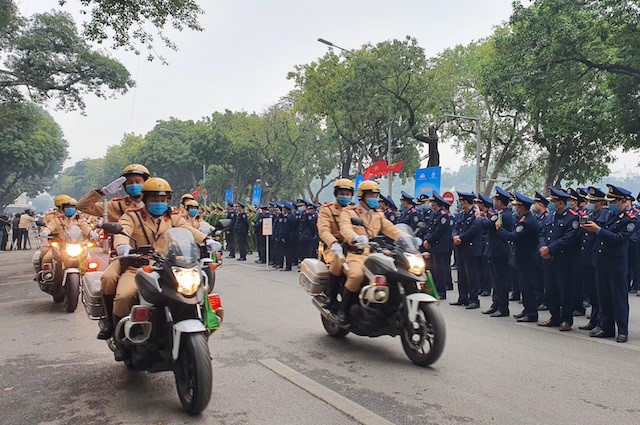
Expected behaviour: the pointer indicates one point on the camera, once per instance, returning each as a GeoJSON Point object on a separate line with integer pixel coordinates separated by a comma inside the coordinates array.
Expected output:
{"type": "Point", "coordinates": [584, 219]}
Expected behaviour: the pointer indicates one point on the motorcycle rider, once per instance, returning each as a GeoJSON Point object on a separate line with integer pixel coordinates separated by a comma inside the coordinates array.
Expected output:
{"type": "Point", "coordinates": [193, 213]}
{"type": "Point", "coordinates": [183, 208]}
{"type": "Point", "coordinates": [329, 233]}
{"type": "Point", "coordinates": [374, 222]}
{"type": "Point", "coordinates": [132, 178]}
{"type": "Point", "coordinates": [58, 222]}
{"type": "Point", "coordinates": [146, 226]}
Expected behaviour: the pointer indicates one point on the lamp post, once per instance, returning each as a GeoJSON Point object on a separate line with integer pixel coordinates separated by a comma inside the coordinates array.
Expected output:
{"type": "Point", "coordinates": [478, 121]}
{"type": "Point", "coordinates": [351, 52]}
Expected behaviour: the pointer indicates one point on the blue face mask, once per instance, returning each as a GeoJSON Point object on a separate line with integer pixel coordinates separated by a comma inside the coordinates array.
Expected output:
{"type": "Point", "coordinates": [533, 210]}
{"type": "Point", "coordinates": [614, 208]}
{"type": "Point", "coordinates": [69, 211]}
{"type": "Point", "coordinates": [193, 212]}
{"type": "Point", "coordinates": [156, 209]}
{"type": "Point", "coordinates": [373, 203]}
{"type": "Point", "coordinates": [301, 210]}
{"type": "Point", "coordinates": [591, 207]}
{"type": "Point", "coordinates": [552, 207]}
{"type": "Point", "coordinates": [343, 200]}
{"type": "Point", "coordinates": [424, 207]}
{"type": "Point", "coordinates": [134, 189]}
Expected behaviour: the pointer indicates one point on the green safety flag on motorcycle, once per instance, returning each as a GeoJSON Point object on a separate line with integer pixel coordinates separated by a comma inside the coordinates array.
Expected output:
{"type": "Point", "coordinates": [430, 286]}
{"type": "Point", "coordinates": [211, 321]}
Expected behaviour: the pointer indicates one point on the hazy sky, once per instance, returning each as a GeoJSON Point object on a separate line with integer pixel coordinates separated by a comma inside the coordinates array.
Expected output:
{"type": "Point", "coordinates": [241, 59]}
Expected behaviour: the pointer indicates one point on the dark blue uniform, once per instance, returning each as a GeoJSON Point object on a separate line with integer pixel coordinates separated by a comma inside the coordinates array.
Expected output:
{"type": "Point", "coordinates": [440, 243]}
{"type": "Point", "coordinates": [499, 260]}
{"type": "Point", "coordinates": [469, 255]}
{"type": "Point", "coordinates": [610, 254]}
{"type": "Point", "coordinates": [586, 263]}
{"type": "Point", "coordinates": [231, 233]}
{"type": "Point", "coordinates": [289, 239]}
{"type": "Point", "coordinates": [561, 239]}
{"type": "Point", "coordinates": [242, 232]}
{"type": "Point", "coordinates": [525, 257]}
{"type": "Point", "coordinates": [410, 217]}
{"type": "Point", "coordinates": [278, 245]}
{"type": "Point", "coordinates": [307, 234]}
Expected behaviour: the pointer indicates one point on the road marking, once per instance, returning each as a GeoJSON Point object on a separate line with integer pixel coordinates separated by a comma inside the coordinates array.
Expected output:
{"type": "Point", "coordinates": [332, 398]}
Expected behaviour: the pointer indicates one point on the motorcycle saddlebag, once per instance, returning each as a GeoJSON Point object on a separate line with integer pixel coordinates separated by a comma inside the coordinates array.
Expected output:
{"type": "Point", "coordinates": [92, 295]}
{"type": "Point", "coordinates": [314, 275]}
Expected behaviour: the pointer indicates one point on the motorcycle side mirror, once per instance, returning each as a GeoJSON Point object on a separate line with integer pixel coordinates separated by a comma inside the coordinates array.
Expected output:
{"type": "Point", "coordinates": [114, 228]}
{"type": "Point", "coordinates": [40, 222]}
{"type": "Point", "coordinates": [223, 223]}
{"type": "Point", "coordinates": [357, 221]}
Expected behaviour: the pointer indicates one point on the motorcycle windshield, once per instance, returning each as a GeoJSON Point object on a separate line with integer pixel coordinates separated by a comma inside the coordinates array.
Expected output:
{"type": "Point", "coordinates": [407, 242]}
{"type": "Point", "coordinates": [73, 234]}
{"type": "Point", "coordinates": [180, 248]}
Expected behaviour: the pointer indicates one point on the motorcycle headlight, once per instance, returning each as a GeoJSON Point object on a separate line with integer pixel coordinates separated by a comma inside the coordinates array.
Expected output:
{"type": "Point", "coordinates": [73, 249]}
{"type": "Point", "coordinates": [188, 280]}
{"type": "Point", "coordinates": [415, 263]}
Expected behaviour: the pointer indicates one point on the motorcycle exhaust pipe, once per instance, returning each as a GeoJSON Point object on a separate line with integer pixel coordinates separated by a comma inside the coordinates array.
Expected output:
{"type": "Point", "coordinates": [137, 333]}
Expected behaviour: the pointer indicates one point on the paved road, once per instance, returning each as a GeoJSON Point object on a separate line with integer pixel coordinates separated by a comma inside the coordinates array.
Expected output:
{"type": "Point", "coordinates": [54, 371]}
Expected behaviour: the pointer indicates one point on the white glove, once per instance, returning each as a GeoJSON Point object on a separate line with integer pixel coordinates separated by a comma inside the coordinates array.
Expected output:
{"type": "Point", "coordinates": [123, 249]}
{"type": "Point", "coordinates": [336, 248]}
{"type": "Point", "coordinates": [361, 239]}
{"type": "Point", "coordinates": [94, 235]}
{"type": "Point", "coordinates": [213, 245]}
{"type": "Point", "coordinates": [114, 186]}
{"type": "Point", "coordinates": [44, 233]}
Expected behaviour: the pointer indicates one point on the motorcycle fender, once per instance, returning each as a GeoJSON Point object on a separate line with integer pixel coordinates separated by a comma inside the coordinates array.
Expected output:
{"type": "Point", "coordinates": [413, 302]}
{"type": "Point", "coordinates": [184, 326]}
{"type": "Point", "coordinates": [67, 272]}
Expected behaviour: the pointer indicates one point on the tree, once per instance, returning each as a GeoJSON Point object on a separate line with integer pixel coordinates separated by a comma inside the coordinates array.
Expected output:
{"type": "Point", "coordinates": [32, 148]}
{"type": "Point", "coordinates": [46, 58]}
{"type": "Point", "coordinates": [125, 22]}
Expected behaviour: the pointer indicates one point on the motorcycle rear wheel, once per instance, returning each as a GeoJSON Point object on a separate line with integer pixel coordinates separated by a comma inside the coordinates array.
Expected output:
{"type": "Point", "coordinates": [193, 373]}
{"type": "Point", "coordinates": [333, 329]}
{"type": "Point", "coordinates": [424, 345]}
{"type": "Point", "coordinates": [72, 287]}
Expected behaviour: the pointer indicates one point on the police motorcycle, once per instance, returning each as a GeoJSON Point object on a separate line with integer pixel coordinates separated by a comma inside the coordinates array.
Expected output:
{"type": "Point", "coordinates": [392, 301]}
{"type": "Point", "coordinates": [70, 261]}
{"type": "Point", "coordinates": [165, 331]}
{"type": "Point", "coordinates": [210, 263]}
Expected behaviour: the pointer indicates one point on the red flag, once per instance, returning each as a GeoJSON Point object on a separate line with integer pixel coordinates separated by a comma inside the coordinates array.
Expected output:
{"type": "Point", "coordinates": [376, 169]}
{"type": "Point", "coordinates": [396, 167]}
{"type": "Point", "coordinates": [196, 192]}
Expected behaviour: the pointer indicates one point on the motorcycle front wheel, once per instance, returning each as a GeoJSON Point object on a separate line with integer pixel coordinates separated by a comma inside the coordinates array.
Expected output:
{"type": "Point", "coordinates": [424, 344]}
{"type": "Point", "coordinates": [193, 373]}
{"type": "Point", "coordinates": [72, 287]}
{"type": "Point", "coordinates": [333, 329]}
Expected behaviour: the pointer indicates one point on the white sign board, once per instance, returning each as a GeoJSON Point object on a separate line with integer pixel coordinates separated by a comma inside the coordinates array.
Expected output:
{"type": "Point", "coordinates": [267, 226]}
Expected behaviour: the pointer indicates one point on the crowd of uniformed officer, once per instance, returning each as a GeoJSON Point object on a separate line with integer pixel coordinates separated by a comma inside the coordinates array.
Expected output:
{"type": "Point", "coordinates": [560, 253]}
{"type": "Point", "coordinates": [294, 234]}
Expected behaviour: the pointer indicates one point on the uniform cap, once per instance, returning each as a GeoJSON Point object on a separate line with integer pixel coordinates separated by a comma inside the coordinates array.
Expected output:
{"type": "Point", "coordinates": [558, 194]}
{"type": "Point", "coordinates": [539, 198]}
{"type": "Point", "coordinates": [241, 204]}
{"type": "Point", "coordinates": [523, 200]}
{"type": "Point", "coordinates": [484, 199]}
{"type": "Point", "coordinates": [615, 193]}
{"type": "Point", "coordinates": [440, 200]}
{"type": "Point", "coordinates": [407, 197]}
{"type": "Point", "coordinates": [287, 205]}
{"type": "Point", "coordinates": [469, 197]}
{"type": "Point", "coordinates": [595, 194]}
{"type": "Point", "coordinates": [503, 195]}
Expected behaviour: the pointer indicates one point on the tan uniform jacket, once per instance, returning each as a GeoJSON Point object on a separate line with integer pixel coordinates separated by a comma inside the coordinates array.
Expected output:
{"type": "Point", "coordinates": [153, 228]}
{"type": "Point", "coordinates": [26, 220]}
{"type": "Point", "coordinates": [59, 223]}
{"type": "Point", "coordinates": [91, 203]}
{"type": "Point", "coordinates": [328, 219]}
{"type": "Point", "coordinates": [373, 224]}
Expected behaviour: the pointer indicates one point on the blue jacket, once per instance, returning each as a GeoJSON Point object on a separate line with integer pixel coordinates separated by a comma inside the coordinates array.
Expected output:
{"type": "Point", "coordinates": [562, 234]}
{"type": "Point", "coordinates": [410, 217]}
{"type": "Point", "coordinates": [525, 241]}
{"type": "Point", "coordinates": [241, 226]}
{"type": "Point", "coordinates": [289, 228]}
{"type": "Point", "coordinates": [467, 226]}
{"type": "Point", "coordinates": [498, 248]}
{"type": "Point", "coordinates": [307, 226]}
{"type": "Point", "coordinates": [612, 240]}
{"type": "Point", "coordinates": [439, 237]}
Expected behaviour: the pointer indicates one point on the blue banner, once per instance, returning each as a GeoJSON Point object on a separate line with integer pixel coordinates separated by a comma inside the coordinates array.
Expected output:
{"type": "Point", "coordinates": [256, 195]}
{"type": "Point", "coordinates": [427, 180]}
{"type": "Point", "coordinates": [359, 179]}
{"type": "Point", "coordinates": [228, 195]}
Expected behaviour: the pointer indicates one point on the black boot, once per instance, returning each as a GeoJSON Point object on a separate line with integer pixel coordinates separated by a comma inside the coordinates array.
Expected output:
{"type": "Point", "coordinates": [120, 352]}
{"type": "Point", "coordinates": [343, 311]}
{"type": "Point", "coordinates": [330, 292]}
{"type": "Point", "coordinates": [106, 325]}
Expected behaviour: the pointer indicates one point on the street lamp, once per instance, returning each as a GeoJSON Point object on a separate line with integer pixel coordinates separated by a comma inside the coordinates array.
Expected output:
{"type": "Point", "coordinates": [351, 52]}
{"type": "Point", "coordinates": [478, 121]}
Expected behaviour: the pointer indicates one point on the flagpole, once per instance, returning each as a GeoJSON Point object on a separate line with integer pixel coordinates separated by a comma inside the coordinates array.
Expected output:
{"type": "Point", "coordinates": [390, 175]}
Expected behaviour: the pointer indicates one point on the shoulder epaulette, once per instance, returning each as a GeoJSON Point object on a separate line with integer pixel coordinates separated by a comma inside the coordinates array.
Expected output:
{"type": "Point", "coordinates": [117, 198]}
{"type": "Point", "coordinates": [443, 211]}
{"type": "Point", "coordinates": [327, 204]}
{"type": "Point", "coordinates": [176, 211]}
{"type": "Point", "coordinates": [630, 214]}
{"type": "Point", "coordinates": [133, 209]}
{"type": "Point", "coordinates": [572, 212]}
